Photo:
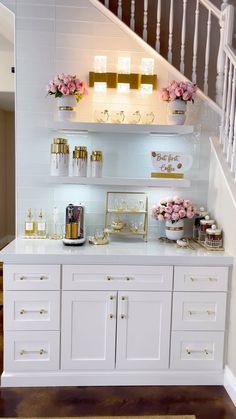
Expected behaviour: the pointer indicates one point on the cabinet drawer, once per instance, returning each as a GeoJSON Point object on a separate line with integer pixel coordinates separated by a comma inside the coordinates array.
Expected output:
{"type": "Point", "coordinates": [199, 311]}
{"type": "Point", "coordinates": [197, 350]}
{"type": "Point", "coordinates": [31, 310]}
{"type": "Point", "coordinates": [213, 278]}
{"type": "Point", "coordinates": [31, 277]}
{"type": "Point", "coordinates": [31, 351]}
{"type": "Point", "coordinates": [108, 277]}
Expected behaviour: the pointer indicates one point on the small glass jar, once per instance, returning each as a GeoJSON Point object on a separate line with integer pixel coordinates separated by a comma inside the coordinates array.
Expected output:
{"type": "Point", "coordinates": [59, 157]}
{"type": "Point", "coordinates": [204, 225]}
{"type": "Point", "coordinates": [214, 237]}
{"type": "Point", "coordinates": [96, 162]}
{"type": "Point", "coordinates": [80, 161]}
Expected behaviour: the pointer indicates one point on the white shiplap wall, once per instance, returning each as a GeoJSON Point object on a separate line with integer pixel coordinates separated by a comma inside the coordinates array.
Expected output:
{"type": "Point", "coordinates": [63, 36]}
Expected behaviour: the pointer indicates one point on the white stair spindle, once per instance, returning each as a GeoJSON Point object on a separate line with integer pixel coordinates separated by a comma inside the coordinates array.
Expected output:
{"type": "Point", "coordinates": [119, 9]}
{"type": "Point", "coordinates": [107, 3]}
{"type": "Point", "coordinates": [222, 127]}
{"type": "Point", "coordinates": [170, 40]}
{"type": "Point", "coordinates": [220, 64]}
{"type": "Point", "coordinates": [233, 158]}
{"type": "Point", "coordinates": [231, 118]}
{"type": "Point", "coordinates": [132, 15]}
{"type": "Point", "coordinates": [158, 28]}
{"type": "Point", "coordinates": [228, 105]}
{"type": "Point", "coordinates": [207, 53]}
{"type": "Point", "coordinates": [224, 4]}
{"type": "Point", "coordinates": [195, 44]}
{"type": "Point", "coordinates": [183, 37]}
{"type": "Point", "coordinates": [145, 20]}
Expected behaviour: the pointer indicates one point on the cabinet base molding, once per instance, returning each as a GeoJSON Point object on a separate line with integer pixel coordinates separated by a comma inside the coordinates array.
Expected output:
{"type": "Point", "coordinates": [230, 384]}
{"type": "Point", "coordinates": [118, 378]}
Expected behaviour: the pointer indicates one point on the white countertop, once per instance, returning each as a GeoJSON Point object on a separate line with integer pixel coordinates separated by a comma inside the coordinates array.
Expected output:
{"type": "Point", "coordinates": [44, 251]}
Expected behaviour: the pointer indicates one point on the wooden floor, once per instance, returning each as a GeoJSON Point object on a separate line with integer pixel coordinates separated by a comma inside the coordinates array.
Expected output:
{"type": "Point", "coordinates": [206, 402]}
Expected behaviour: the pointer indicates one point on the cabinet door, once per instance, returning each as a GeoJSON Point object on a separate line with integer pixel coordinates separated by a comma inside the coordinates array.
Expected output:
{"type": "Point", "coordinates": [88, 330]}
{"type": "Point", "coordinates": [143, 330]}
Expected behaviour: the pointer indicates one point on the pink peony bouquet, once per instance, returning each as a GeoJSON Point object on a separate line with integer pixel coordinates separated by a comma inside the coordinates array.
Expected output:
{"type": "Point", "coordinates": [184, 90]}
{"type": "Point", "coordinates": [65, 85]}
{"type": "Point", "coordinates": [173, 209]}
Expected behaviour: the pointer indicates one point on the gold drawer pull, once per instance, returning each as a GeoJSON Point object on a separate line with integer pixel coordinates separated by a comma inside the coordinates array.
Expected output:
{"type": "Point", "coordinates": [212, 279]}
{"type": "Point", "coordinates": [123, 316]}
{"type": "Point", "coordinates": [40, 352]}
{"type": "Point", "coordinates": [205, 351]}
{"type": "Point", "coordinates": [41, 277]}
{"type": "Point", "coordinates": [196, 312]}
{"type": "Point", "coordinates": [41, 311]}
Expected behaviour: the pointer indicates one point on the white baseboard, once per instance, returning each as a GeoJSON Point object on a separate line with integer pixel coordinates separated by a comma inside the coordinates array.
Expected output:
{"type": "Point", "coordinates": [230, 384]}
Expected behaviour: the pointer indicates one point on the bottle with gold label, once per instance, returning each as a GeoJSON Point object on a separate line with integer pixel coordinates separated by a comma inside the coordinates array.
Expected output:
{"type": "Point", "coordinates": [41, 227]}
{"type": "Point", "coordinates": [59, 157]}
{"type": "Point", "coordinates": [96, 164]}
{"type": "Point", "coordinates": [29, 224]}
{"type": "Point", "coordinates": [80, 161]}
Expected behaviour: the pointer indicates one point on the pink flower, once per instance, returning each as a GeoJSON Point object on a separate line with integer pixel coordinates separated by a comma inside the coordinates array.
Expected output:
{"type": "Point", "coordinates": [71, 86]}
{"type": "Point", "coordinates": [160, 217]}
{"type": "Point", "coordinates": [164, 94]}
{"type": "Point", "coordinates": [187, 203]}
{"type": "Point", "coordinates": [163, 201]}
{"type": "Point", "coordinates": [176, 208]}
{"type": "Point", "coordinates": [169, 200]}
{"type": "Point", "coordinates": [178, 201]}
{"type": "Point", "coordinates": [67, 79]}
{"type": "Point", "coordinates": [64, 90]}
{"type": "Point", "coordinates": [169, 209]}
{"type": "Point", "coordinates": [172, 96]}
{"type": "Point", "coordinates": [182, 213]}
{"type": "Point", "coordinates": [186, 96]}
{"type": "Point", "coordinates": [173, 84]}
{"type": "Point", "coordinates": [175, 216]}
{"type": "Point", "coordinates": [167, 217]}
{"type": "Point", "coordinates": [179, 91]}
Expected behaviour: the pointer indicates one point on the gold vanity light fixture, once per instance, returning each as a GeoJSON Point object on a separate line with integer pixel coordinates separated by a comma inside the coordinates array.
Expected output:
{"type": "Point", "coordinates": [148, 79]}
{"type": "Point", "coordinates": [123, 79]}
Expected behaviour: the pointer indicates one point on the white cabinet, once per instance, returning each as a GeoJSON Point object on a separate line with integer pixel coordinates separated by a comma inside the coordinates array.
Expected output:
{"type": "Point", "coordinates": [143, 330]}
{"type": "Point", "coordinates": [91, 320]}
{"type": "Point", "coordinates": [88, 330]}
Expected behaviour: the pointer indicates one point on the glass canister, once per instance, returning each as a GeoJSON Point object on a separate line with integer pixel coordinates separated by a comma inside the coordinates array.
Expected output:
{"type": "Point", "coordinates": [80, 161]}
{"type": "Point", "coordinates": [96, 164]}
{"type": "Point", "coordinates": [214, 237]}
{"type": "Point", "coordinates": [59, 157]}
{"type": "Point", "coordinates": [204, 225]}
{"type": "Point", "coordinates": [200, 215]}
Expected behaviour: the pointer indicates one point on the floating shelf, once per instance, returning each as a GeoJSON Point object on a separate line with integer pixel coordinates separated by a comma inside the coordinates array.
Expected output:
{"type": "Point", "coordinates": [126, 212]}
{"type": "Point", "coordinates": [121, 181]}
{"type": "Point", "coordinates": [84, 127]}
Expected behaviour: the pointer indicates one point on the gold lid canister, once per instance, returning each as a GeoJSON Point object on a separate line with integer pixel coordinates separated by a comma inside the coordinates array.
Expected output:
{"type": "Point", "coordinates": [80, 152]}
{"type": "Point", "coordinates": [59, 145]}
{"type": "Point", "coordinates": [96, 155]}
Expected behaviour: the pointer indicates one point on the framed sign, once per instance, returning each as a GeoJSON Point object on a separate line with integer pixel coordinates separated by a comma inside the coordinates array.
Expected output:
{"type": "Point", "coordinates": [169, 164]}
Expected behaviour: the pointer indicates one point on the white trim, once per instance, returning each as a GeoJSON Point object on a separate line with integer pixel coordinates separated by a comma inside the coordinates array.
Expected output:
{"type": "Point", "coordinates": [176, 73]}
{"type": "Point", "coordinates": [230, 384]}
{"type": "Point", "coordinates": [111, 378]}
{"type": "Point", "coordinates": [227, 175]}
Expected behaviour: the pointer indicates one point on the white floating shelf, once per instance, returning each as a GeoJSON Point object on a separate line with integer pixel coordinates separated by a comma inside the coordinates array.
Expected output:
{"type": "Point", "coordinates": [84, 127]}
{"type": "Point", "coordinates": [121, 181]}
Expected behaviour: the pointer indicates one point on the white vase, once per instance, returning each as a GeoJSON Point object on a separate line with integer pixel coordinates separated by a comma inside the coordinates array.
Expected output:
{"type": "Point", "coordinates": [175, 231]}
{"type": "Point", "coordinates": [176, 112]}
{"type": "Point", "coordinates": [67, 108]}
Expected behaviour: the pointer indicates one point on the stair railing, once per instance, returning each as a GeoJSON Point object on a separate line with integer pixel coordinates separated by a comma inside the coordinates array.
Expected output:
{"type": "Point", "coordinates": [219, 25]}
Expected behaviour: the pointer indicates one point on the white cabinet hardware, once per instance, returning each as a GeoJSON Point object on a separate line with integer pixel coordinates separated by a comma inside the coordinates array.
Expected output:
{"type": "Point", "coordinates": [40, 352]}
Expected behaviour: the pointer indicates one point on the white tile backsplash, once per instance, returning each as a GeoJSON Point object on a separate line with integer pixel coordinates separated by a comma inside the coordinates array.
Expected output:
{"type": "Point", "coordinates": [54, 36]}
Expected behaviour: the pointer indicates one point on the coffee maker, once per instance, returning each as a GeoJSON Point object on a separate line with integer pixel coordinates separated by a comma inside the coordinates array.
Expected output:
{"type": "Point", "coordinates": [75, 225]}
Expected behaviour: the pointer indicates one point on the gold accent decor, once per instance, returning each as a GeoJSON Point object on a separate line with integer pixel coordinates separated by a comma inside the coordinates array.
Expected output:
{"type": "Point", "coordinates": [80, 152]}
{"type": "Point", "coordinates": [123, 78]}
{"type": "Point", "coordinates": [177, 112]}
{"type": "Point", "coordinates": [174, 228]}
{"type": "Point", "coordinates": [167, 175]}
{"type": "Point", "coordinates": [112, 80]}
{"type": "Point", "coordinates": [134, 81]}
{"type": "Point", "coordinates": [96, 156]}
{"type": "Point", "coordinates": [66, 108]}
{"type": "Point", "coordinates": [60, 146]}
{"type": "Point", "coordinates": [127, 226]}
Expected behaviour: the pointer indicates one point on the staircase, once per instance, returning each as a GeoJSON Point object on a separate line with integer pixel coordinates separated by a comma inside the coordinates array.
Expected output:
{"type": "Point", "coordinates": [195, 36]}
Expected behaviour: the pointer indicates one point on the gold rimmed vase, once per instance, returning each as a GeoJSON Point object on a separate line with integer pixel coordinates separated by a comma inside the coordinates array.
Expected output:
{"type": "Point", "coordinates": [176, 112]}
{"type": "Point", "coordinates": [175, 230]}
{"type": "Point", "coordinates": [67, 108]}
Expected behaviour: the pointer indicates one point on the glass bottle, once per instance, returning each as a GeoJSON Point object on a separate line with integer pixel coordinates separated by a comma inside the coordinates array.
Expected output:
{"type": "Point", "coordinates": [200, 215]}
{"type": "Point", "coordinates": [29, 224]}
{"type": "Point", "coordinates": [41, 226]}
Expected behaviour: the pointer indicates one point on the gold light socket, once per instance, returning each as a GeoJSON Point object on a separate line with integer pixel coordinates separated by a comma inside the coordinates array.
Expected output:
{"type": "Point", "coordinates": [60, 145]}
{"type": "Point", "coordinates": [80, 152]}
{"type": "Point", "coordinates": [149, 79]}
